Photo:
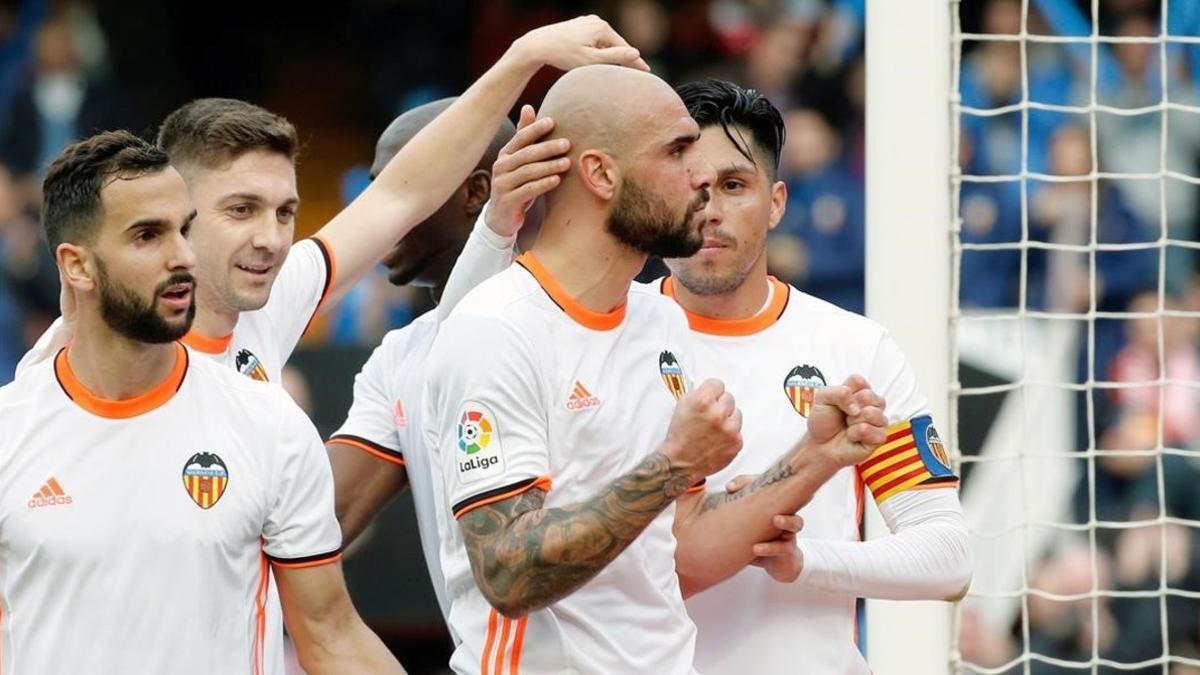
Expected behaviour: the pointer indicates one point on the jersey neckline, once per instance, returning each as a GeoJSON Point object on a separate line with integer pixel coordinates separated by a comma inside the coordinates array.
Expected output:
{"type": "Point", "coordinates": [573, 308]}
{"type": "Point", "coordinates": [757, 323]}
{"type": "Point", "coordinates": [143, 403]}
{"type": "Point", "coordinates": [205, 344]}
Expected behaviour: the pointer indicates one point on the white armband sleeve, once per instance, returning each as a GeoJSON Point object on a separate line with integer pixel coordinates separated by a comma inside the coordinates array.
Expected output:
{"type": "Point", "coordinates": [485, 255]}
{"type": "Point", "coordinates": [927, 556]}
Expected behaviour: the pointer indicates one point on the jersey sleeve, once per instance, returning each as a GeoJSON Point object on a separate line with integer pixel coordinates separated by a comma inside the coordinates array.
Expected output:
{"type": "Point", "coordinates": [484, 255]}
{"type": "Point", "coordinates": [371, 424]}
{"type": "Point", "coordinates": [913, 456]}
{"type": "Point", "coordinates": [487, 416]}
{"type": "Point", "coordinates": [300, 290]}
{"type": "Point", "coordinates": [301, 529]}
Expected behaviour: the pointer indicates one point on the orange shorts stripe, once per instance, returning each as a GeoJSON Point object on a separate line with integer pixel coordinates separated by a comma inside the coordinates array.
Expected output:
{"type": "Point", "coordinates": [514, 664]}
{"type": "Point", "coordinates": [485, 660]}
{"type": "Point", "coordinates": [505, 627]}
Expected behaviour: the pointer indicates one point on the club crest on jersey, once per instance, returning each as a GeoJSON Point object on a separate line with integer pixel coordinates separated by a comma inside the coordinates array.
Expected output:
{"type": "Point", "coordinates": [672, 374]}
{"type": "Point", "coordinates": [936, 447]}
{"type": "Point", "coordinates": [801, 385]}
{"type": "Point", "coordinates": [249, 365]}
{"type": "Point", "coordinates": [205, 478]}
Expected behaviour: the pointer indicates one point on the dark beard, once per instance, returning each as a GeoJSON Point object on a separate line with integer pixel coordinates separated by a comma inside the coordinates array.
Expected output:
{"type": "Point", "coordinates": [644, 222]}
{"type": "Point", "coordinates": [126, 314]}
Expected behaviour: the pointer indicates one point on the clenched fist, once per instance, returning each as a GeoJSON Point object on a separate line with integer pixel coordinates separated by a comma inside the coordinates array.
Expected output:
{"type": "Point", "coordinates": [847, 423]}
{"type": "Point", "coordinates": [706, 430]}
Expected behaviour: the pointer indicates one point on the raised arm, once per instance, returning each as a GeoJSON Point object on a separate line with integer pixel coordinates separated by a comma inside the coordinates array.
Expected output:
{"type": "Point", "coordinates": [526, 168]}
{"type": "Point", "coordinates": [422, 176]}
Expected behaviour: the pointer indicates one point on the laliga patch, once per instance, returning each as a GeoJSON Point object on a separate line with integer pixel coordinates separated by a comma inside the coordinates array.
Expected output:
{"type": "Point", "coordinates": [930, 448]}
{"type": "Point", "coordinates": [479, 452]}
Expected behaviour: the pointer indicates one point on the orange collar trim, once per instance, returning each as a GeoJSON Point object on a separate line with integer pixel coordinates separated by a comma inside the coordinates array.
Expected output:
{"type": "Point", "coordinates": [158, 395]}
{"type": "Point", "coordinates": [580, 314]}
{"type": "Point", "coordinates": [205, 344]}
{"type": "Point", "coordinates": [736, 327]}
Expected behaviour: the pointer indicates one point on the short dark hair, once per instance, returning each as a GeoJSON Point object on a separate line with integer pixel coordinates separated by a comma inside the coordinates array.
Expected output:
{"type": "Point", "coordinates": [212, 131]}
{"type": "Point", "coordinates": [714, 102]}
{"type": "Point", "coordinates": [71, 203]}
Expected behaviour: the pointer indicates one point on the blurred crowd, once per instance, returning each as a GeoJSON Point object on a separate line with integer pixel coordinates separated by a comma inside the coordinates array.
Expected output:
{"type": "Point", "coordinates": [59, 81]}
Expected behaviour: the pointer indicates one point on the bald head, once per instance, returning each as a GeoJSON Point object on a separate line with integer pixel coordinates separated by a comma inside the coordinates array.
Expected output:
{"type": "Point", "coordinates": [403, 128]}
{"type": "Point", "coordinates": [609, 108]}
{"type": "Point", "coordinates": [634, 170]}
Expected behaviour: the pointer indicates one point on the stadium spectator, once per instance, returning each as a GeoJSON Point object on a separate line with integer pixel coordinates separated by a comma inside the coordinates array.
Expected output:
{"type": "Point", "coordinates": [825, 213]}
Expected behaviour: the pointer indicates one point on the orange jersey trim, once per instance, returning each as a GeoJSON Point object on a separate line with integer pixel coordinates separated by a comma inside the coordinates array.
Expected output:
{"type": "Point", "coordinates": [386, 454]}
{"type": "Point", "coordinates": [468, 505]}
{"type": "Point", "coordinates": [260, 608]}
{"type": "Point", "coordinates": [157, 396]}
{"type": "Point", "coordinates": [574, 309]}
{"type": "Point", "coordinates": [736, 327]}
{"type": "Point", "coordinates": [205, 344]}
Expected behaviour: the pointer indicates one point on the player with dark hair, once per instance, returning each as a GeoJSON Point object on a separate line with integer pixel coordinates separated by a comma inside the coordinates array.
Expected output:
{"type": "Point", "coordinates": [164, 487]}
{"type": "Point", "coordinates": [777, 348]}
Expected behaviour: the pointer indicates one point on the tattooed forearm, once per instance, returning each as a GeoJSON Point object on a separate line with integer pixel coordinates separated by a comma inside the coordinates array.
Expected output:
{"type": "Point", "coordinates": [780, 471]}
{"type": "Point", "coordinates": [525, 557]}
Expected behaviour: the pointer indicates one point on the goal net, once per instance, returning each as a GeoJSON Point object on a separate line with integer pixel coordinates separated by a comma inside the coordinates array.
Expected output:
{"type": "Point", "coordinates": [1071, 133]}
{"type": "Point", "coordinates": [1074, 137]}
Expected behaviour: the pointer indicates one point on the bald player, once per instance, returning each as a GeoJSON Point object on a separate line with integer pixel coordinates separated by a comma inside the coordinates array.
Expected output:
{"type": "Point", "coordinates": [144, 492]}
{"type": "Point", "coordinates": [560, 411]}
{"type": "Point", "coordinates": [776, 346]}
{"type": "Point", "coordinates": [378, 450]}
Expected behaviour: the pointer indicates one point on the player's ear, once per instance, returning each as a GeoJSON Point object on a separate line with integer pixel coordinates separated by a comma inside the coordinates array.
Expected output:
{"type": "Point", "coordinates": [778, 204]}
{"type": "Point", "coordinates": [599, 174]}
{"type": "Point", "coordinates": [479, 190]}
{"type": "Point", "coordinates": [76, 265]}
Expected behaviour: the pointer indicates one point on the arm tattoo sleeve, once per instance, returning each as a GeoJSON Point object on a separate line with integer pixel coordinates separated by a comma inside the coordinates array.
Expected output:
{"type": "Point", "coordinates": [780, 471]}
{"type": "Point", "coordinates": [525, 557]}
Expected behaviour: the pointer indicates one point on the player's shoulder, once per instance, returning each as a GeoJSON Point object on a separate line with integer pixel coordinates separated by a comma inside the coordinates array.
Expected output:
{"type": "Point", "coordinates": [219, 381]}
{"type": "Point", "coordinates": [498, 295]}
{"type": "Point", "coordinates": [647, 299]}
{"type": "Point", "coordinates": [398, 340]}
{"type": "Point", "coordinates": [832, 321]}
{"type": "Point", "coordinates": [29, 391]}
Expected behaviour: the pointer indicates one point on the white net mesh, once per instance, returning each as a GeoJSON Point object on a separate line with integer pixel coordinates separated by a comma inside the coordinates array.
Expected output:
{"type": "Point", "coordinates": [1076, 396]}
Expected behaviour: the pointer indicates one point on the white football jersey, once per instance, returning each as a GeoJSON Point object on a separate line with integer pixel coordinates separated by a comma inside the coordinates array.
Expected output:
{"type": "Point", "coordinates": [526, 388]}
{"type": "Point", "coordinates": [263, 340]}
{"type": "Point", "coordinates": [137, 536]}
{"type": "Point", "coordinates": [385, 421]}
{"type": "Point", "coordinates": [773, 363]}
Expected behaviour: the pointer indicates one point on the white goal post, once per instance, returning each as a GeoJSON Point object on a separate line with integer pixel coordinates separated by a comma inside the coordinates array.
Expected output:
{"type": "Point", "coordinates": [908, 263]}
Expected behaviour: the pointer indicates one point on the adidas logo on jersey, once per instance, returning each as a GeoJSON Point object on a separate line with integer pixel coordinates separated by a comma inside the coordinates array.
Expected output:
{"type": "Point", "coordinates": [51, 494]}
{"type": "Point", "coordinates": [581, 398]}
